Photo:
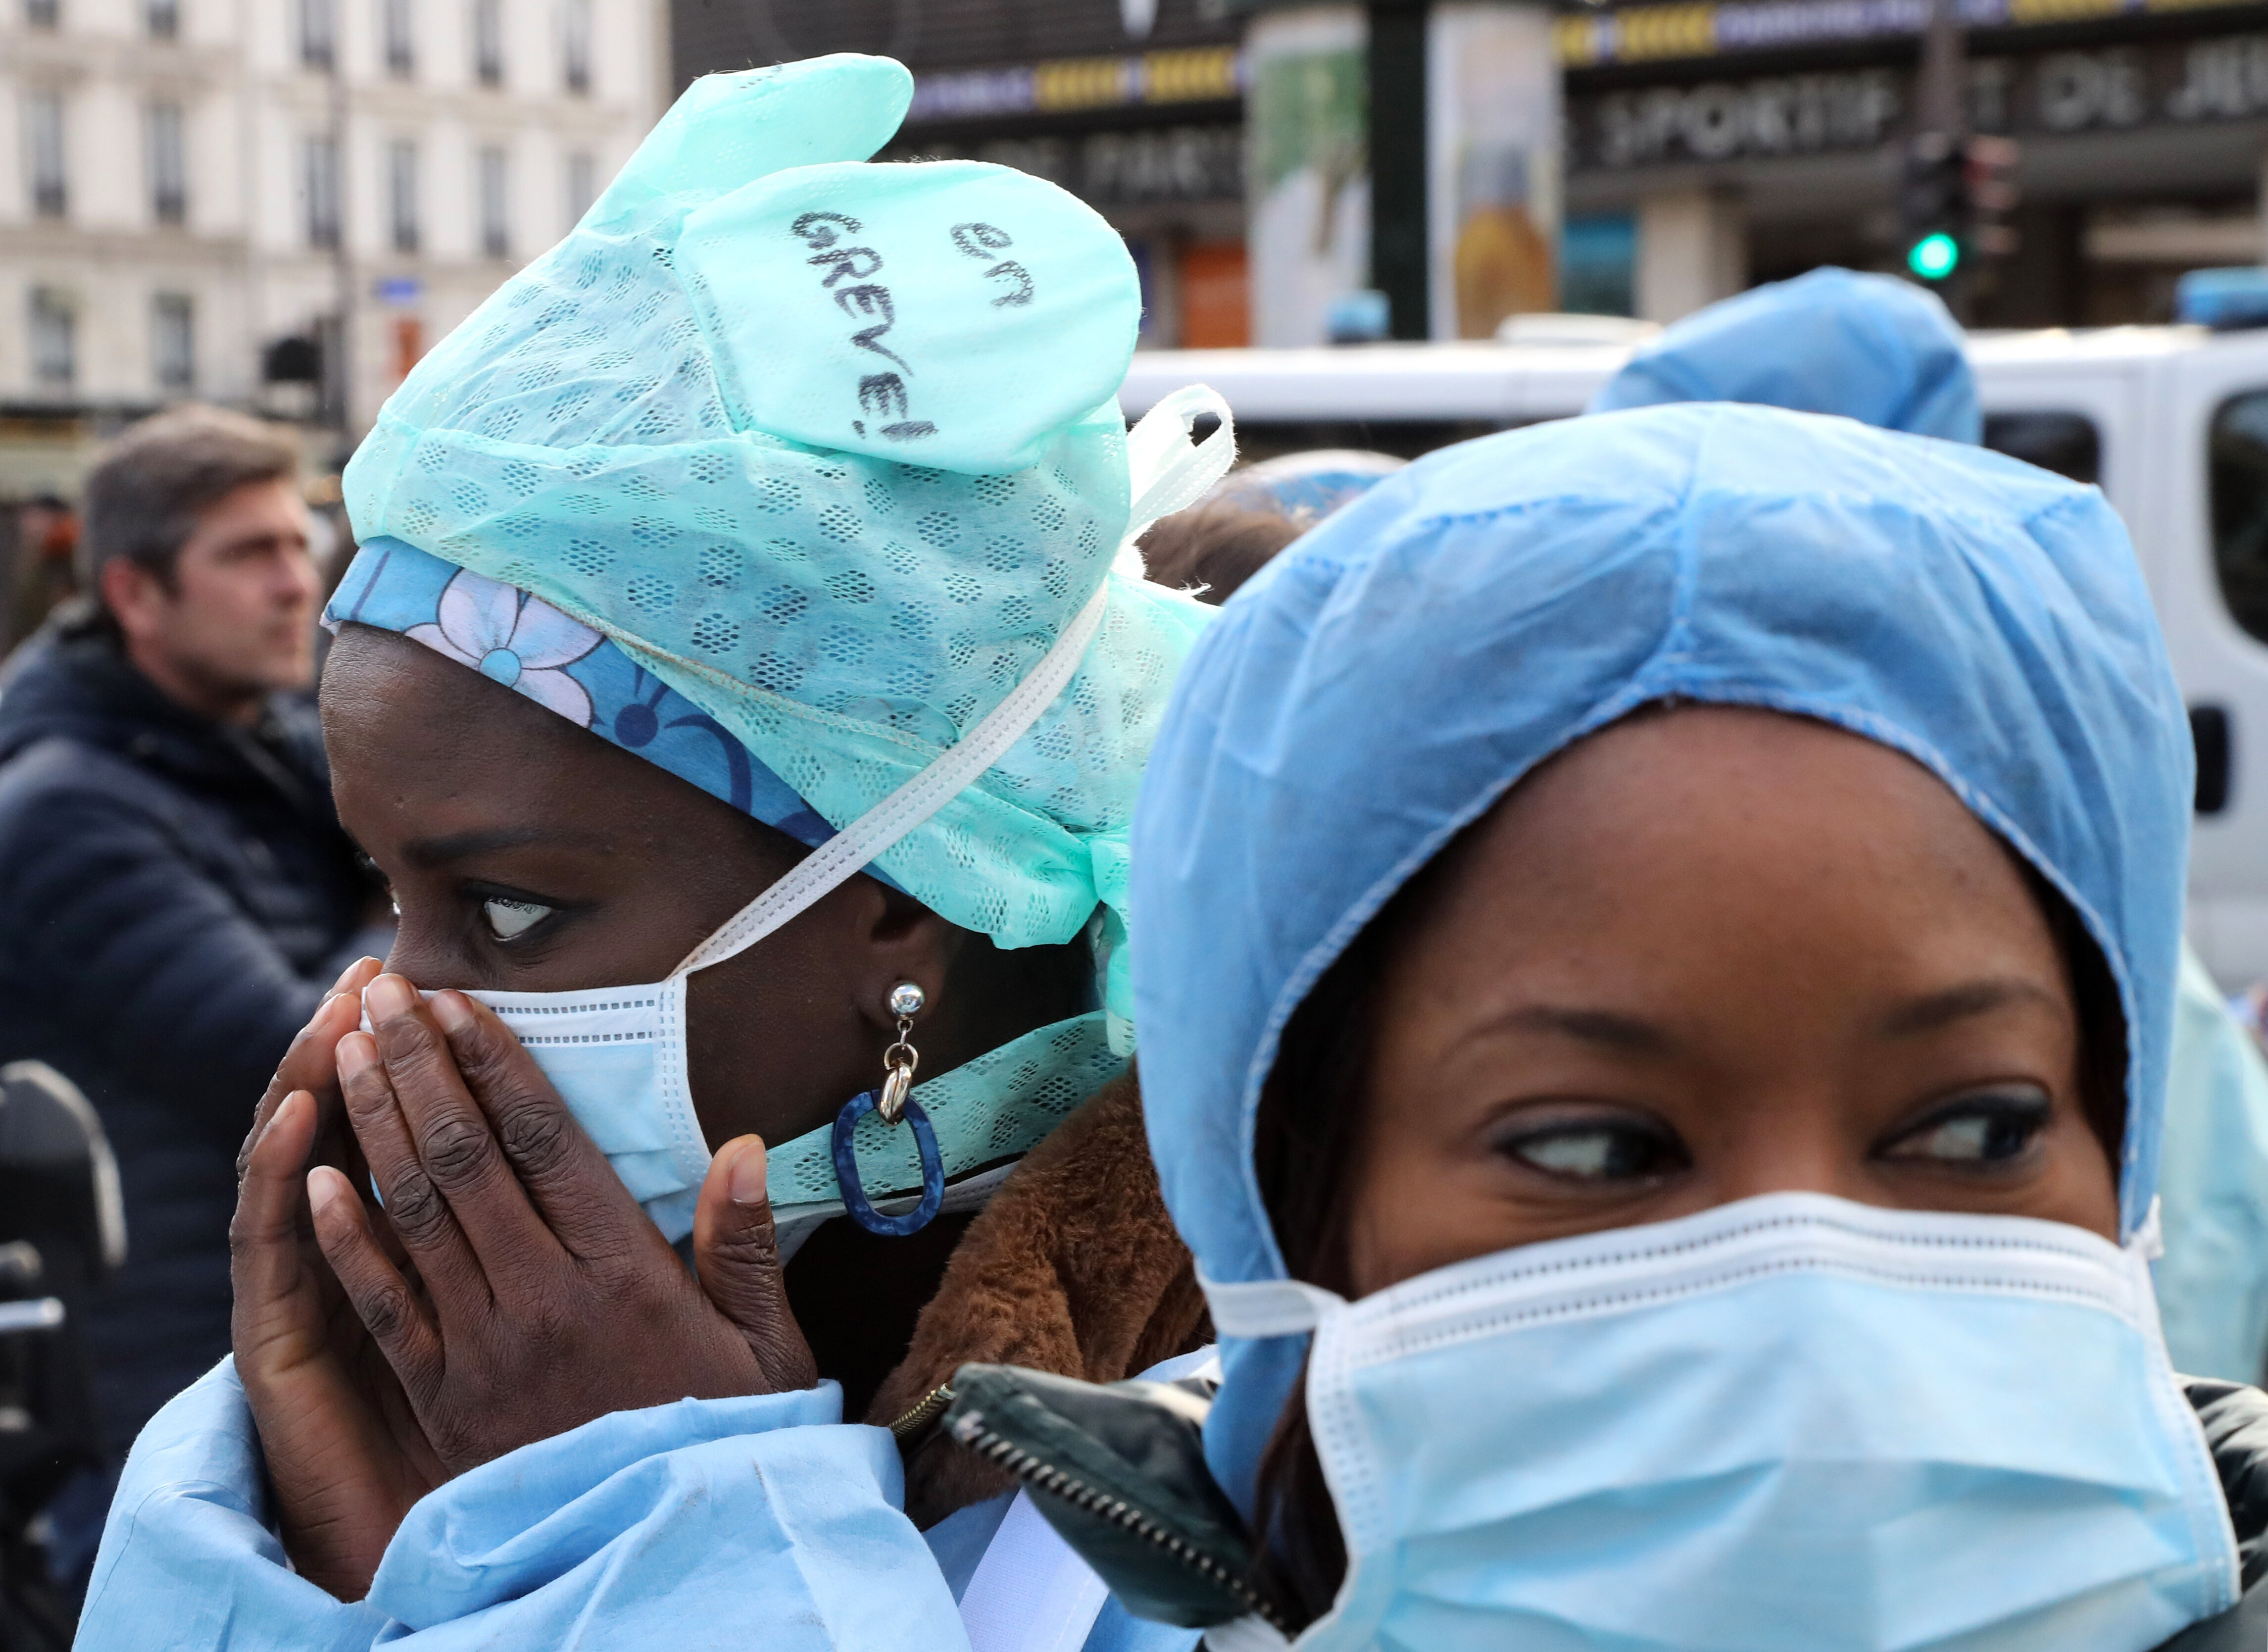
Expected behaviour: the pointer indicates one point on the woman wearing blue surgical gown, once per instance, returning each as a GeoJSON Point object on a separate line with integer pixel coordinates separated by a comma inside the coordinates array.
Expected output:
{"type": "Point", "coordinates": [743, 682]}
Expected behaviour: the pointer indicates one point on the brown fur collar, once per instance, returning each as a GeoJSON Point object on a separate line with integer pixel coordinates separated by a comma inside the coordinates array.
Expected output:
{"type": "Point", "coordinates": [1074, 1268]}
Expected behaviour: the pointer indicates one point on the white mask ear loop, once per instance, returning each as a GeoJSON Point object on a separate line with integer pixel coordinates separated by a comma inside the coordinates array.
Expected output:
{"type": "Point", "coordinates": [1168, 473]}
{"type": "Point", "coordinates": [1266, 1307]}
{"type": "Point", "coordinates": [2148, 1240]}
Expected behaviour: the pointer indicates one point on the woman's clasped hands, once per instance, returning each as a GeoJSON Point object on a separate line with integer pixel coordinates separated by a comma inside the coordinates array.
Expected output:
{"type": "Point", "coordinates": [500, 1287]}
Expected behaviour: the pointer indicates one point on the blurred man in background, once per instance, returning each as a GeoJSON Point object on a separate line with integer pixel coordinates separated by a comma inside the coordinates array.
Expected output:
{"type": "Point", "coordinates": [175, 893]}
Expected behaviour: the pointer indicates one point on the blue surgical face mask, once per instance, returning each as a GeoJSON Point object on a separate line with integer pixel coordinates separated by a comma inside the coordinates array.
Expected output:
{"type": "Point", "coordinates": [617, 1056]}
{"type": "Point", "coordinates": [1791, 1424]}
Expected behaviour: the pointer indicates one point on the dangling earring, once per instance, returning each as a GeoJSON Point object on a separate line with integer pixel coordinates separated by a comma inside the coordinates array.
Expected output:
{"type": "Point", "coordinates": [894, 1102]}
{"type": "Point", "coordinates": [900, 1059]}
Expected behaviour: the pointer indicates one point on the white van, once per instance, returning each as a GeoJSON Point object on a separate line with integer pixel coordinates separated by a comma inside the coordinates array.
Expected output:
{"type": "Point", "coordinates": [2171, 422]}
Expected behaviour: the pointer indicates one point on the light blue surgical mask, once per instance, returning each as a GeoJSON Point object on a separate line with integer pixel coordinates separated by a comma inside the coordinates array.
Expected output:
{"type": "Point", "coordinates": [617, 1056]}
{"type": "Point", "coordinates": [1791, 1424]}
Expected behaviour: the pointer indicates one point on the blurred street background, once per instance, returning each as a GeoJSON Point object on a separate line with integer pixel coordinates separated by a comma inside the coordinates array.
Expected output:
{"type": "Point", "coordinates": [279, 204]}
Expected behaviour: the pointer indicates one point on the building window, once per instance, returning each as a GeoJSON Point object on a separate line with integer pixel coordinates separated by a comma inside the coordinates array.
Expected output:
{"type": "Point", "coordinates": [173, 343]}
{"type": "Point", "coordinates": [402, 193]}
{"type": "Point", "coordinates": [495, 221]}
{"type": "Point", "coordinates": [43, 148]}
{"type": "Point", "coordinates": [41, 14]}
{"type": "Point", "coordinates": [582, 186]}
{"type": "Point", "coordinates": [575, 44]}
{"type": "Point", "coordinates": [54, 339]}
{"type": "Point", "coordinates": [169, 171]}
{"type": "Point", "coordinates": [320, 180]}
{"type": "Point", "coordinates": [163, 18]}
{"type": "Point", "coordinates": [401, 38]}
{"type": "Point", "coordinates": [319, 33]}
{"type": "Point", "coordinates": [488, 41]}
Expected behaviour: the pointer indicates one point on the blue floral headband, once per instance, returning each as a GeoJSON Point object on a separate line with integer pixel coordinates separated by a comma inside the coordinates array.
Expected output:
{"type": "Point", "coordinates": [563, 666]}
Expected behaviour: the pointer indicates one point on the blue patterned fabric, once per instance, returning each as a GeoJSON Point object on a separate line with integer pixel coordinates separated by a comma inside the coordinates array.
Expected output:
{"type": "Point", "coordinates": [563, 665]}
{"type": "Point", "coordinates": [833, 449]}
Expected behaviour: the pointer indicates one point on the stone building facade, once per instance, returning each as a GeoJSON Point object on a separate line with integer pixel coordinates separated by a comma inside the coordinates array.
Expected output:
{"type": "Point", "coordinates": [196, 195]}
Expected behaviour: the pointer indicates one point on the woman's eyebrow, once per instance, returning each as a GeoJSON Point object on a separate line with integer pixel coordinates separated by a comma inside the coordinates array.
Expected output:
{"type": "Point", "coordinates": [428, 852]}
{"type": "Point", "coordinates": [1626, 1035]}
{"type": "Point", "coordinates": [1936, 1010]}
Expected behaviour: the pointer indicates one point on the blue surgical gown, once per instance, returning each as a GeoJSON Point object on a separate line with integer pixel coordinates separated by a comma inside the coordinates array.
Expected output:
{"type": "Point", "coordinates": [764, 1522]}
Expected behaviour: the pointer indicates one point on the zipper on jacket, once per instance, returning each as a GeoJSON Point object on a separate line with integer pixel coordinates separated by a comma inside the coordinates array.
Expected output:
{"type": "Point", "coordinates": [915, 1423]}
{"type": "Point", "coordinates": [971, 1433]}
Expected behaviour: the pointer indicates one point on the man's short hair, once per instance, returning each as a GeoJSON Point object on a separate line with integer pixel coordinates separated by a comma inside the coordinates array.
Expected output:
{"type": "Point", "coordinates": [145, 495]}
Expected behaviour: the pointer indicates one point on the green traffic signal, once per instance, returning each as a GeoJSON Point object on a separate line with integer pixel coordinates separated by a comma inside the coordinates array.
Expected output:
{"type": "Point", "coordinates": [1933, 258]}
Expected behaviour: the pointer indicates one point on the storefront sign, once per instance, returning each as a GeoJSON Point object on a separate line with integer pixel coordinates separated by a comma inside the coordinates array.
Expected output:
{"type": "Point", "coordinates": [1722, 120]}
{"type": "Point", "coordinates": [1117, 168]}
{"type": "Point", "coordinates": [1202, 74]}
{"type": "Point", "coordinates": [1707, 28]}
{"type": "Point", "coordinates": [2048, 94]}
{"type": "Point", "coordinates": [1171, 162]}
{"type": "Point", "coordinates": [2224, 80]}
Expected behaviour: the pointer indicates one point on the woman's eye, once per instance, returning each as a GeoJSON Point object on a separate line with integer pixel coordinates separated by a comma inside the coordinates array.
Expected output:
{"type": "Point", "coordinates": [1981, 1130]}
{"type": "Point", "coordinates": [1598, 1152]}
{"type": "Point", "coordinates": [510, 919]}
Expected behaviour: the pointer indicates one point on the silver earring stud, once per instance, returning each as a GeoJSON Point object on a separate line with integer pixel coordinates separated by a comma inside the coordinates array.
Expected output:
{"type": "Point", "coordinates": [900, 1059]}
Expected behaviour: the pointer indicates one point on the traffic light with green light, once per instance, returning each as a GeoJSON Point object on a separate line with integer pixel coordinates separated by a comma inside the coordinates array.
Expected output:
{"type": "Point", "coordinates": [1952, 200]}
{"type": "Point", "coordinates": [1931, 213]}
{"type": "Point", "coordinates": [1935, 256]}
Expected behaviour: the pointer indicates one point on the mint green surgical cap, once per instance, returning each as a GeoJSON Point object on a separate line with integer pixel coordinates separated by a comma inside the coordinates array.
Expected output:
{"type": "Point", "coordinates": [833, 449]}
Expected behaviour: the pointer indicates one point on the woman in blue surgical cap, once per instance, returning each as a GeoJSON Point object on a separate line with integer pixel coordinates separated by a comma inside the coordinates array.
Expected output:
{"type": "Point", "coordinates": [1885, 353]}
{"type": "Point", "coordinates": [1657, 939]}
{"type": "Point", "coordinates": [743, 684]}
